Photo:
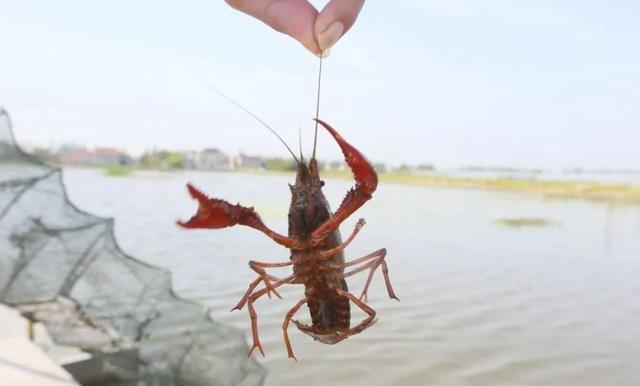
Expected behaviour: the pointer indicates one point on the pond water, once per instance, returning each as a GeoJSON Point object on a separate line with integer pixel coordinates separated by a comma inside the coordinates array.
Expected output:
{"type": "Point", "coordinates": [481, 303]}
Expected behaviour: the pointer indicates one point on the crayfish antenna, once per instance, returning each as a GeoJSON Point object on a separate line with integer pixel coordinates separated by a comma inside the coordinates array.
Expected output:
{"type": "Point", "coordinates": [315, 134]}
{"type": "Point", "coordinates": [254, 116]}
{"type": "Point", "coordinates": [300, 141]}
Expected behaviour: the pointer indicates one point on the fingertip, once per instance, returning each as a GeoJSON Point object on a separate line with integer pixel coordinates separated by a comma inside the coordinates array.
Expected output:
{"type": "Point", "coordinates": [311, 45]}
{"type": "Point", "coordinates": [335, 19]}
{"type": "Point", "coordinates": [236, 4]}
{"type": "Point", "coordinates": [324, 54]}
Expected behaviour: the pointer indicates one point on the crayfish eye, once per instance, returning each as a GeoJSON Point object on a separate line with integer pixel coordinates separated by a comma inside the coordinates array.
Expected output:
{"type": "Point", "coordinates": [321, 183]}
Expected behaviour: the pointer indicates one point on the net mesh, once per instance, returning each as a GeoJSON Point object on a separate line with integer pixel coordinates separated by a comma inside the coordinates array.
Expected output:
{"type": "Point", "coordinates": [62, 267]}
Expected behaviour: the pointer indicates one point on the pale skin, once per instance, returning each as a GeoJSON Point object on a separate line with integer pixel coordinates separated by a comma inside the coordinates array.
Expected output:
{"type": "Point", "coordinates": [316, 31]}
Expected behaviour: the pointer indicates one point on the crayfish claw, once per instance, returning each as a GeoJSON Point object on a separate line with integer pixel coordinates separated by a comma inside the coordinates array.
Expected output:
{"type": "Point", "coordinates": [196, 193]}
{"type": "Point", "coordinates": [212, 213]}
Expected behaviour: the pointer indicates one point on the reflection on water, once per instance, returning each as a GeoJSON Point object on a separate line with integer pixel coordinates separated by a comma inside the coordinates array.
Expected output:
{"type": "Point", "coordinates": [480, 304]}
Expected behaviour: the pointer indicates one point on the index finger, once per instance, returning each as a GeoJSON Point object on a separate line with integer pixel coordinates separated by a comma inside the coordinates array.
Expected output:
{"type": "Point", "coordinates": [295, 18]}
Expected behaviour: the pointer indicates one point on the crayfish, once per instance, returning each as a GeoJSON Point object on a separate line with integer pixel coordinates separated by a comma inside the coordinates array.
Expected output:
{"type": "Point", "coordinates": [317, 250]}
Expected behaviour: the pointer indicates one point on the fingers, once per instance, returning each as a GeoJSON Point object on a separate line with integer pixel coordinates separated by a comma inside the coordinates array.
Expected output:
{"type": "Point", "coordinates": [299, 19]}
{"type": "Point", "coordinates": [335, 19]}
{"type": "Point", "coordinates": [295, 18]}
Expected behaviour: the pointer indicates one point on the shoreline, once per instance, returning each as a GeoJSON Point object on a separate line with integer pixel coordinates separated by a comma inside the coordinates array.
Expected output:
{"type": "Point", "coordinates": [627, 193]}
{"type": "Point", "coordinates": [585, 190]}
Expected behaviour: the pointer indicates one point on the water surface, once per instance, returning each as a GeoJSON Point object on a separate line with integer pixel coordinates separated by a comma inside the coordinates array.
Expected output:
{"type": "Point", "coordinates": [481, 304]}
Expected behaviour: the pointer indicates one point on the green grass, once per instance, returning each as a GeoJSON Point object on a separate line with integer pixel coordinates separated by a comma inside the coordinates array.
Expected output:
{"type": "Point", "coordinates": [556, 188]}
{"type": "Point", "coordinates": [519, 222]}
{"type": "Point", "coordinates": [118, 170]}
{"type": "Point", "coordinates": [623, 193]}
{"type": "Point", "coordinates": [619, 193]}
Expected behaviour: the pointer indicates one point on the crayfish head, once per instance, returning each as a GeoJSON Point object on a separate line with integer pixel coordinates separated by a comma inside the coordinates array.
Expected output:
{"type": "Point", "coordinates": [309, 207]}
{"type": "Point", "coordinates": [212, 212]}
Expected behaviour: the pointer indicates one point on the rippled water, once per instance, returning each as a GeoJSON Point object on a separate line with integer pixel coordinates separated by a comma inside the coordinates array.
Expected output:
{"type": "Point", "coordinates": [481, 304]}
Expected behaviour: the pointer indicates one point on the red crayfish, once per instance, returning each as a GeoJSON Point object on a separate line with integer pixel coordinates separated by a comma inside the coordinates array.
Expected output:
{"type": "Point", "coordinates": [317, 250]}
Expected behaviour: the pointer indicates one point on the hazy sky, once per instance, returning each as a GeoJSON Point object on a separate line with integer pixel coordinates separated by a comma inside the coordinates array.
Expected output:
{"type": "Point", "coordinates": [525, 83]}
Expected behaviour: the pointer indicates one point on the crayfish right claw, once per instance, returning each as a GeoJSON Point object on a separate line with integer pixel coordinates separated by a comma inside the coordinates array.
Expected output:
{"type": "Point", "coordinates": [212, 212]}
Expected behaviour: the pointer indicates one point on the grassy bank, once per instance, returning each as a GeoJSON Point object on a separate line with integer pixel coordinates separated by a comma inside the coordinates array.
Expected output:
{"type": "Point", "coordinates": [523, 222]}
{"type": "Point", "coordinates": [119, 170]}
{"type": "Point", "coordinates": [624, 193]}
{"type": "Point", "coordinates": [627, 193]}
{"type": "Point", "coordinates": [557, 188]}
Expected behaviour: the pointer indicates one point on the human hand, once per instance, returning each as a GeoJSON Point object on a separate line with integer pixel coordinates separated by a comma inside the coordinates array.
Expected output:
{"type": "Point", "coordinates": [317, 31]}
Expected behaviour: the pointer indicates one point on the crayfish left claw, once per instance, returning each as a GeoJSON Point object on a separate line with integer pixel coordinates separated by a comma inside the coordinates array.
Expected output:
{"type": "Point", "coordinates": [366, 183]}
{"type": "Point", "coordinates": [365, 175]}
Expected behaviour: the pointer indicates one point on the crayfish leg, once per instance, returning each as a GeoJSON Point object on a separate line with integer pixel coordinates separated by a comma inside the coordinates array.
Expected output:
{"type": "Point", "coordinates": [285, 327]}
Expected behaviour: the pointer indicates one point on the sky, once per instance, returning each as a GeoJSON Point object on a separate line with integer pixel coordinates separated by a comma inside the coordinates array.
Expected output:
{"type": "Point", "coordinates": [536, 84]}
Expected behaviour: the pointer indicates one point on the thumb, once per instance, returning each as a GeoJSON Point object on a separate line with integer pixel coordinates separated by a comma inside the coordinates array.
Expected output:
{"type": "Point", "coordinates": [335, 19]}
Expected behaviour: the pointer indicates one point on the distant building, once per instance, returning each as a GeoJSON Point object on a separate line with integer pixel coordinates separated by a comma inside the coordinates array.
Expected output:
{"type": "Point", "coordinates": [248, 162]}
{"type": "Point", "coordinates": [189, 159]}
{"type": "Point", "coordinates": [426, 167]}
{"type": "Point", "coordinates": [108, 156]}
{"type": "Point", "coordinates": [380, 167]}
{"type": "Point", "coordinates": [211, 159]}
{"type": "Point", "coordinates": [337, 165]}
{"type": "Point", "coordinates": [72, 155]}
{"type": "Point", "coordinates": [44, 154]}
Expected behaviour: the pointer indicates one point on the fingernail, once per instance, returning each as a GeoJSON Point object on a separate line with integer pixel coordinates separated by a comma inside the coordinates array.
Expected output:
{"type": "Point", "coordinates": [330, 36]}
{"type": "Point", "coordinates": [324, 53]}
